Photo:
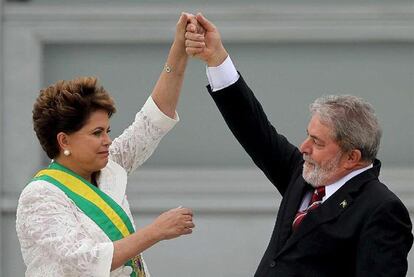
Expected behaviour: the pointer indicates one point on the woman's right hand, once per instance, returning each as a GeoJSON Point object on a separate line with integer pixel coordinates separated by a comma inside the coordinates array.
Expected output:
{"type": "Point", "coordinates": [173, 223]}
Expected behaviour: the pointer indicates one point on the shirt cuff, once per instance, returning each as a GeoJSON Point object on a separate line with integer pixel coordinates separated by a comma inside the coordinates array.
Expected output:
{"type": "Point", "coordinates": [222, 76]}
{"type": "Point", "coordinates": [106, 253]}
{"type": "Point", "coordinates": [157, 117]}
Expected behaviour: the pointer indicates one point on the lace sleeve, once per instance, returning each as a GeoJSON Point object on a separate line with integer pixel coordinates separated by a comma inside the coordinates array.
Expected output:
{"type": "Point", "coordinates": [55, 237]}
{"type": "Point", "coordinates": [136, 144]}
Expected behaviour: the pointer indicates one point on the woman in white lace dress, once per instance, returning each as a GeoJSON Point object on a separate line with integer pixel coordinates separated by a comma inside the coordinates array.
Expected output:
{"type": "Point", "coordinates": [73, 218]}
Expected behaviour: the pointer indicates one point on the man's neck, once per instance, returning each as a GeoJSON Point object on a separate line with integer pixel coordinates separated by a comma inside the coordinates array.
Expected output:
{"type": "Point", "coordinates": [348, 174]}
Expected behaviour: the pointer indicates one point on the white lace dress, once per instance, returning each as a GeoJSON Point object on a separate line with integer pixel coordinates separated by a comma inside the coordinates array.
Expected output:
{"type": "Point", "coordinates": [57, 238]}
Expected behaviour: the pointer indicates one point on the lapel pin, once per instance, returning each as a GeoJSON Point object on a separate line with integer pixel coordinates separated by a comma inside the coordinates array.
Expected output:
{"type": "Point", "coordinates": [343, 204]}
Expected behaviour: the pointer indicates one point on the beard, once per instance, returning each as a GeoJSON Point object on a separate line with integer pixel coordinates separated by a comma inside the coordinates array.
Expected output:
{"type": "Point", "coordinates": [318, 175]}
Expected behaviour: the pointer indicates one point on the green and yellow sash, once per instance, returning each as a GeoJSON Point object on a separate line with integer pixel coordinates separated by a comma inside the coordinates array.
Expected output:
{"type": "Point", "coordinates": [97, 205]}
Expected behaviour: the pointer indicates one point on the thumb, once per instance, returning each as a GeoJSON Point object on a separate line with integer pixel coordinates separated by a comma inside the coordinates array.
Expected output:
{"type": "Point", "coordinates": [182, 22]}
{"type": "Point", "coordinates": [207, 25]}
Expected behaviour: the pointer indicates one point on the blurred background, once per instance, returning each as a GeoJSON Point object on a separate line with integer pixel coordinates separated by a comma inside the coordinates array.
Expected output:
{"type": "Point", "coordinates": [290, 52]}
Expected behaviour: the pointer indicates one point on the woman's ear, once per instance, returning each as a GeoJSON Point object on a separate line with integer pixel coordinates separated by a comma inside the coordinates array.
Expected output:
{"type": "Point", "coordinates": [62, 140]}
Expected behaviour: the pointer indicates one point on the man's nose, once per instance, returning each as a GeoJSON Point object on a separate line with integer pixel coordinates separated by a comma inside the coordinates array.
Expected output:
{"type": "Point", "coordinates": [305, 146]}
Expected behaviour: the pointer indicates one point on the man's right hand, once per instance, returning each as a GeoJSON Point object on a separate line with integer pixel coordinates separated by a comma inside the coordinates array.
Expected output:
{"type": "Point", "coordinates": [203, 41]}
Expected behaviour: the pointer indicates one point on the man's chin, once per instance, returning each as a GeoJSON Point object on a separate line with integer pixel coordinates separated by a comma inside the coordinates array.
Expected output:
{"type": "Point", "coordinates": [311, 180]}
{"type": "Point", "coordinates": [307, 172]}
{"type": "Point", "coordinates": [306, 176]}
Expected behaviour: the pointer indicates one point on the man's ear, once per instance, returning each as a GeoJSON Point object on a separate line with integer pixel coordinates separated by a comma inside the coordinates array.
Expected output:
{"type": "Point", "coordinates": [353, 159]}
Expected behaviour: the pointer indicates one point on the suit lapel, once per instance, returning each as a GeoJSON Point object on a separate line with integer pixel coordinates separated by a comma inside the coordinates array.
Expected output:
{"type": "Point", "coordinates": [289, 207]}
{"type": "Point", "coordinates": [332, 208]}
{"type": "Point", "coordinates": [329, 210]}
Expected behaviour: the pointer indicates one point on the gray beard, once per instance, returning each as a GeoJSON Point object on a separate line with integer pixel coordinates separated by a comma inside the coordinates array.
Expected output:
{"type": "Point", "coordinates": [318, 176]}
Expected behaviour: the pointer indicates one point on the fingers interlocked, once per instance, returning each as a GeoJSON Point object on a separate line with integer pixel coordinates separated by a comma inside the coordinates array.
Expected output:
{"type": "Point", "coordinates": [194, 37]}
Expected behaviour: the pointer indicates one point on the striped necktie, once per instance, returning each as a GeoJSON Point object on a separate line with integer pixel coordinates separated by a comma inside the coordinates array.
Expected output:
{"type": "Point", "coordinates": [316, 200]}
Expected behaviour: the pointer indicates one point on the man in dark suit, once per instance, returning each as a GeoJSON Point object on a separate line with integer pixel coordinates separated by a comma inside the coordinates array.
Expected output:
{"type": "Point", "coordinates": [336, 218]}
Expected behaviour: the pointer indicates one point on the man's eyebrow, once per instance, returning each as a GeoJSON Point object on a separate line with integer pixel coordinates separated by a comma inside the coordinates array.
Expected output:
{"type": "Point", "coordinates": [314, 137]}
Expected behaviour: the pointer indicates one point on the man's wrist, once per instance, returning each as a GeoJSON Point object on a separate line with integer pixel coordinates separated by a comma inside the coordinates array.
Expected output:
{"type": "Point", "coordinates": [223, 75]}
{"type": "Point", "coordinates": [217, 59]}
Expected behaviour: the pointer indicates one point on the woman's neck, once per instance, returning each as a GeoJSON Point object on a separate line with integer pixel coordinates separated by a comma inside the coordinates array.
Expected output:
{"type": "Point", "coordinates": [68, 163]}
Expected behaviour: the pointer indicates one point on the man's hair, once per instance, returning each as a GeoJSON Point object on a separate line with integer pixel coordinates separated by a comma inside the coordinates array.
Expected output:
{"type": "Point", "coordinates": [353, 122]}
{"type": "Point", "coordinates": [65, 107]}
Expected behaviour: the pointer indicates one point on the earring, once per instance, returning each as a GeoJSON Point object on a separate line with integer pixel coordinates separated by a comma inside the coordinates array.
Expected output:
{"type": "Point", "coordinates": [66, 152]}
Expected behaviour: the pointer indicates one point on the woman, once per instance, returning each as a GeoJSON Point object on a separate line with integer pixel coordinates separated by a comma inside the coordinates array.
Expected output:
{"type": "Point", "coordinates": [73, 218]}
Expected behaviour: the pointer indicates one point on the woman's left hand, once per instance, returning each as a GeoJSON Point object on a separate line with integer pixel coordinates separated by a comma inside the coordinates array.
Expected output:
{"type": "Point", "coordinates": [181, 26]}
{"type": "Point", "coordinates": [168, 87]}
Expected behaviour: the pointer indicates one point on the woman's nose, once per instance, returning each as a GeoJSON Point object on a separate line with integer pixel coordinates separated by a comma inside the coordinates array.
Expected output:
{"type": "Point", "coordinates": [107, 140]}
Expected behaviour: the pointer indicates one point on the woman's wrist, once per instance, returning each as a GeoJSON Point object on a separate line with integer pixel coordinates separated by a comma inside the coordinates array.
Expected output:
{"type": "Point", "coordinates": [178, 49]}
{"type": "Point", "coordinates": [177, 59]}
{"type": "Point", "coordinates": [153, 233]}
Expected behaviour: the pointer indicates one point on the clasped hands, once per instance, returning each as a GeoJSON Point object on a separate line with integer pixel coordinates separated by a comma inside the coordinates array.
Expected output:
{"type": "Point", "coordinates": [202, 40]}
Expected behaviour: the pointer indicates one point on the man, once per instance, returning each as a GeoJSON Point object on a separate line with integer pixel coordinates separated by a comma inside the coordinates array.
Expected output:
{"type": "Point", "coordinates": [336, 218]}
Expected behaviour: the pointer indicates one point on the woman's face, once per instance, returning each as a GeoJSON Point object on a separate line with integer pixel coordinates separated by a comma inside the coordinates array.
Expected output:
{"type": "Point", "coordinates": [89, 146]}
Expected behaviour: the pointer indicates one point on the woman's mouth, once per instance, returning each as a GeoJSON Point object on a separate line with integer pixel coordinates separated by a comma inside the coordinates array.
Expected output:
{"type": "Point", "coordinates": [104, 153]}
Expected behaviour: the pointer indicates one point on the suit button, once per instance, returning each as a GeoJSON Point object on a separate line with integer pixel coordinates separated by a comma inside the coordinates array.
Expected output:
{"type": "Point", "coordinates": [272, 264]}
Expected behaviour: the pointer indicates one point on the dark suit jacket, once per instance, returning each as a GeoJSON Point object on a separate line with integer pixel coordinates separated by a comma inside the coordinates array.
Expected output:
{"type": "Point", "coordinates": [362, 230]}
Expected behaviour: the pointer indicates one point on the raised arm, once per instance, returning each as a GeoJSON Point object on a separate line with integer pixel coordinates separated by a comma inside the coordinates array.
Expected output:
{"type": "Point", "coordinates": [136, 144]}
{"type": "Point", "coordinates": [244, 115]}
{"type": "Point", "coordinates": [167, 89]}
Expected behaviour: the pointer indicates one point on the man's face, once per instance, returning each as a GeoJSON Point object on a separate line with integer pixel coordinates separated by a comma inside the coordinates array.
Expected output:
{"type": "Point", "coordinates": [323, 156]}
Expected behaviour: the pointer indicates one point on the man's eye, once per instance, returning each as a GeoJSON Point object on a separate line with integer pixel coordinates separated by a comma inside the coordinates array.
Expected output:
{"type": "Point", "coordinates": [317, 142]}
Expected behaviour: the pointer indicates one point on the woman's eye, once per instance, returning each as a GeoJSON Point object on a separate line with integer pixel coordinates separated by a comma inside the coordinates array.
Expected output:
{"type": "Point", "coordinates": [97, 133]}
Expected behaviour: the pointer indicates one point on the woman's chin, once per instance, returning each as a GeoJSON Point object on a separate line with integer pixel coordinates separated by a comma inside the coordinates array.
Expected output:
{"type": "Point", "coordinates": [101, 163]}
{"type": "Point", "coordinates": [105, 162]}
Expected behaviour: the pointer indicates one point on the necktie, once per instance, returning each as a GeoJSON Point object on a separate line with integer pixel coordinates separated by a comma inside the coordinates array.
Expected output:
{"type": "Point", "coordinates": [316, 200]}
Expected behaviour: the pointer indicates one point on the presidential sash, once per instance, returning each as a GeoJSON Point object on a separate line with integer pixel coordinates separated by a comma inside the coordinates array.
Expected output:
{"type": "Point", "coordinates": [96, 204]}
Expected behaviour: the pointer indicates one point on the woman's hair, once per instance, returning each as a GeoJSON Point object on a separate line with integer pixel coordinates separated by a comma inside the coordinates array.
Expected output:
{"type": "Point", "coordinates": [65, 107]}
{"type": "Point", "coordinates": [353, 122]}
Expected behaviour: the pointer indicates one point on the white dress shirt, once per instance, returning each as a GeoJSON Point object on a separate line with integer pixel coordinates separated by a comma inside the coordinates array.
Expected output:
{"type": "Point", "coordinates": [223, 75]}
